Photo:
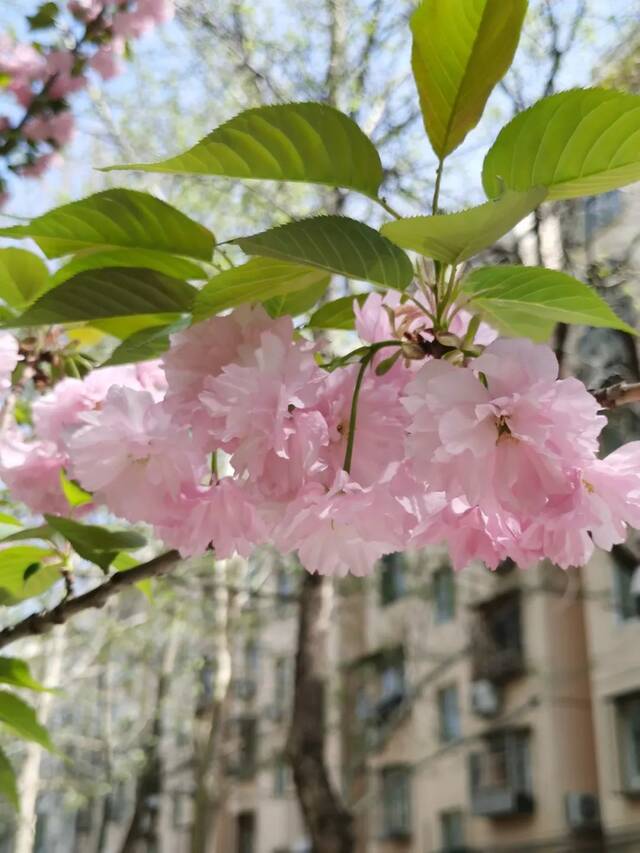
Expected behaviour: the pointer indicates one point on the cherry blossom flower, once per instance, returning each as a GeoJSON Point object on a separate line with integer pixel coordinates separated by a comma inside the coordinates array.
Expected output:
{"type": "Point", "coordinates": [129, 455]}
{"type": "Point", "coordinates": [31, 471]}
{"type": "Point", "coordinates": [9, 358]}
{"type": "Point", "coordinates": [345, 529]}
{"type": "Point", "coordinates": [221, 517]}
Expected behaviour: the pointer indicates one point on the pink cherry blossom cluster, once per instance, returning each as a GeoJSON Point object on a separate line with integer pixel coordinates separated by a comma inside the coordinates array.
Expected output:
{"type": "Point", "coordinates": [41, 81]}
{"type": "Point", "coordinates": [241, 438]}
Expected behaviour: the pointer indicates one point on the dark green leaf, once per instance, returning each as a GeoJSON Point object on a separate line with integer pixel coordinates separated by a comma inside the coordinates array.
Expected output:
{"type": "Point", "coordinates": [44, 17]}
{"type": "Point", "coordinates": [337, 244]}
{"type": "Point", "coordinates": [145, 344]}
{"type": "Point", "coordinates": [529, 301]}
{"type": "Point", "coordinates": [455, 237]}
{"type": "Point", "coordinates": [307, 142]}
{"type": "Point", "coordinates": [580, 142]}
{"type": "Point", "coordinates": [16, 672]}
{"type": "Point", "coordinates": [461, 49]}
{"type": "Point", "coordinates": [117, 218]}
{"type": "Point", "coordinates": [337, 314]}
{"type": "Point", "coordinates": [96, 544]}
{"type": "Point", "coordinates": [42, 531]}
{"type": "Point", "coordinates": [21, 719]}
{"type": "Point", "coordinates": [257, 280]}
{"type": "Point", "coordinates": [111, 292]}
{"type": "Point", "coordinates": [164, 263]}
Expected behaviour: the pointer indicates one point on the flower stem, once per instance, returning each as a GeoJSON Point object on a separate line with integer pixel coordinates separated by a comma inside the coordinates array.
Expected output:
{"type": "Point", "coordinates": [353, 417]}
{"type": "Point", "coordinates": [354, 410]}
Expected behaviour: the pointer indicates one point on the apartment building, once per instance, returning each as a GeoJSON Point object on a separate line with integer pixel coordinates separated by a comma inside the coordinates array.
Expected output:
{"type": "Point", "coordinates": [472, 712]}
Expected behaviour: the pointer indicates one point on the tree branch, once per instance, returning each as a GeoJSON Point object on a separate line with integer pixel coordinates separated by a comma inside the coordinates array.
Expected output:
{"type": "Point", "coordinates": [620, 394]}
{"type": "Point", "coordinates": [40, 623]}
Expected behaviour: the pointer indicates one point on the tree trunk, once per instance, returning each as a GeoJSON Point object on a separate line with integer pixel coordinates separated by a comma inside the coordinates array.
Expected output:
{"type": "Point", "coordinates": [210, 723]}
{"type": "Point", "coordinates": [329, 824]}
{"type": "Point", "coordinates": [143, 830]}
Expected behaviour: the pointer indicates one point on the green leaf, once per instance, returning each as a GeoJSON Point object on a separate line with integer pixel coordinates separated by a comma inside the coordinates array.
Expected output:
{"type": "Point", "coordinates": [164, 263]}
{"type": "Point", "coordinates": [337, 314]}
{"type": "Point", "coordinates": [23, 276]}
{"type": "Point", "coordinates": [21, 718]}
{"type": "Point", "coordinates": [73, 492]}
{"type": "Point", "coordinates": [529, 301]}
{"type": "Point", "coordinates": [257, 280]}
{"type": "Point", "coordinates": [116, 218]}
{"type": "Point", "coordinates": [110, 292]}
{"type": "Point", "coordinates": [580, 142]}
{"type": "Point", "coordinates": [14, 562]}
{"type": "Point", "coordinates": [298, 302]}
{"type": "Point", "coordinates": [144, 344]}
{"type": "Point", "coordinates": [8, 786]}
{"type": "Point", "coordinates": [42, 531]}
{"type": "Point", "coordinates": [8, 524]}
{"type": "Point", "coordinates": [16, 672]}
{"type": "Point", "coordinates": [125, 327]}
{"type": "Point", "coordinates": [337, 244]}
{"type": "Point", "coordinates": [44, 17]}
{"type": "Point", "coordinates": [96, 544]}
{"type": "Point", "coordinates": [461, 49]}
{"type": "Point", "coordinates": [455, 237]}
{"type": "Point", "coordinates": [306, 142]}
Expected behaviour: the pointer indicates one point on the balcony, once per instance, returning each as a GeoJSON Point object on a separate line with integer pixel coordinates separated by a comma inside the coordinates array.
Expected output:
{"type": "Point", "coordinates": [500, 776]}
{"type": "Point", "coordinates": [497, 649]}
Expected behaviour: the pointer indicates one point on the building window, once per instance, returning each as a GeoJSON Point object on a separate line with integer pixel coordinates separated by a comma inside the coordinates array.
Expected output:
{"type": "Point", "coordinates": [396, 802]}
{"type": "Point", "coordinates": [627, 593]}
{"type": "Point", "coordinates": [246, 832]}
{"type": "Point", "coordinates": [251, 659]}
{"type": "Point", "coordinates": [392, 688]}
{"type": "Point", "coordinates": [449, 714]}
{"type": "Point", "coordinates": [628, 708]}
{"type": "Point", "coordinates": [281, 777]}
{"type": "Point", "coordinates": [247, 738]}
{"type": "Point", "coordinates": [452, 831]}
{"type": "Point", "coordinates": [497, 653]}
{"type": "Point", "coordinates": [281, 688]}
{"type": "Point", "coordinates": [393, 569]}
{"type": "Point", "coordinates": [444, 595]}
{"type": "Point", "coordinates": [501, 781]}
{"type": "Point", "coordinates": [285, 588]}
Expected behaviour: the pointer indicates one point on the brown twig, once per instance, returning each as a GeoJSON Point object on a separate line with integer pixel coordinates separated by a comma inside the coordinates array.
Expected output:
{"type": "Point", "coordinates": [40, 623]}
{"type": "Point", "coordinates": [620, 394]}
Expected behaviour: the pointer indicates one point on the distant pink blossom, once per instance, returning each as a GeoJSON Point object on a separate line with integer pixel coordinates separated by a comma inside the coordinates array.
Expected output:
{"type": "Point", "coordinates": [58, 128]}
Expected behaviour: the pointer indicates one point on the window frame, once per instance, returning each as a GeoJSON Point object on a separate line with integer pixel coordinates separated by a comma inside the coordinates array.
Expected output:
{"type": "Point", "coordinates": [444, 614]}
{"type": "Point", "coordinates": [392, 827]}
{"type": "Point", "coordinates": [446, 732]}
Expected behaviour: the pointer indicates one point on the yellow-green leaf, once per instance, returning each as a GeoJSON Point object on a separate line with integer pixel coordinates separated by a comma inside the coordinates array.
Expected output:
{"type": "Point", "coordinates": [580, 142]}
{"type": "Point", "coordinates": [461, 49]}
{"type": "Point", "coordinates": [257, 280]}
{"type": "Point", "coordinates": [529, 301]}
{"type": "Point", "coordinates": [305, 142]}
{"type": "Point", "coordinates": [454, 237]}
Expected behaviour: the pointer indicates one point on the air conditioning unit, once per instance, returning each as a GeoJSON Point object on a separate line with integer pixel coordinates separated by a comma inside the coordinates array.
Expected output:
{"type": "Point", "coordinates": [582, 811]}
{"type": "Point", "coordinates": [485, 698]}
